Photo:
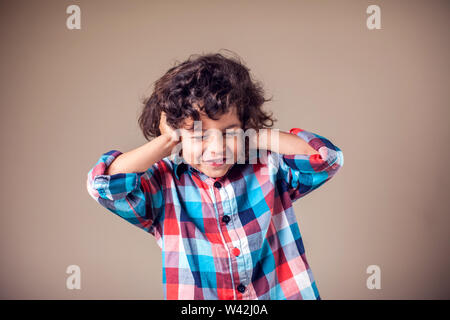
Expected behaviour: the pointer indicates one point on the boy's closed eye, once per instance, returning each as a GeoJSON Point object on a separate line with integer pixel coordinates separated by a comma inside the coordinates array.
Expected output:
{"type": "Point", "coordinates": [226, 134]}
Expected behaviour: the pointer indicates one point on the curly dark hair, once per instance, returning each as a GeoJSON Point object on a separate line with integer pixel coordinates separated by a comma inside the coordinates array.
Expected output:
{"type": "Point", "coordinates": [211, 83]}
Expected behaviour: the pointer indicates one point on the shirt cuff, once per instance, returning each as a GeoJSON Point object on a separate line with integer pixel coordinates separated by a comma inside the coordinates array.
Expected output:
{"type": "Point", "coordinates": [328, 155]}
{"type": "Point", "coordinates": [112, 186]}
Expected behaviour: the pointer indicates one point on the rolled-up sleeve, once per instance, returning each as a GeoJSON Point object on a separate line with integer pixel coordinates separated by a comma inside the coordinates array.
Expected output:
{"type": "Point", "coordinates": [135, 197]}
{"type": "Point", "coordinates": [305, 173]}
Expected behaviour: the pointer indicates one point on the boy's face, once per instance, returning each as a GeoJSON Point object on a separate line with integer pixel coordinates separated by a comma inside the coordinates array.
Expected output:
{"type": "Point", "coordinates": [207, 140]}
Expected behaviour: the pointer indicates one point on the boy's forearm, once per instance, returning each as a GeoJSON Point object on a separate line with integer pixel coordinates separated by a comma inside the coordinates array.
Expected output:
{"type": "Point", "coordinates": [287, 143]}
{"type": "Point", "coordinates": [143, 157]}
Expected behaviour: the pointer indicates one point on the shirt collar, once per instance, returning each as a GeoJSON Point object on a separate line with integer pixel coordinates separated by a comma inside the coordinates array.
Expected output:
{"type": "Point", "coordinates": [179, 166]}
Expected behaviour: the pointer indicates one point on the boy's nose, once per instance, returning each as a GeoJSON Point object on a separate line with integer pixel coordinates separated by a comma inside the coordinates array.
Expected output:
{"type": "Point", "coordinates": [216, 145]}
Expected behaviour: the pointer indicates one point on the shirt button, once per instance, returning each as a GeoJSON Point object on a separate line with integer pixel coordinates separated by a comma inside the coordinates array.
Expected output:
{"type": "Point", "coordinates": [226, 219]}
{"type": "Point", "coordinates": [241, 288]}
{"type": "Point", "coordinates": [235, 252]}
{"type": "Point", "coordinates": [217, 184]}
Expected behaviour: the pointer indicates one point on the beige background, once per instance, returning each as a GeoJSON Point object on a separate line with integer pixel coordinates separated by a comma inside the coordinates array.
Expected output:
{"type": "Point", "coordinates": [382, 96]}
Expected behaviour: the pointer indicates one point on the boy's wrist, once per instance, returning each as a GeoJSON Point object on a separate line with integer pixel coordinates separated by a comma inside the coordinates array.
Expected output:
{"type": "Point", "coordinates": [170, 142]}
{"type": "Point", "coordinates": [172, 137]}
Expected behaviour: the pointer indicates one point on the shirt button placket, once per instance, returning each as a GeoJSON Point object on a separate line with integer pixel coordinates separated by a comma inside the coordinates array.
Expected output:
{"type": "Point", "coordinates": [226, 218]}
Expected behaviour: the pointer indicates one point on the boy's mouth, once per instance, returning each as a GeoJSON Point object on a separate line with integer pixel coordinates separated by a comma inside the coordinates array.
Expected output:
{"type": "Point", "coordinates": [216, 162]}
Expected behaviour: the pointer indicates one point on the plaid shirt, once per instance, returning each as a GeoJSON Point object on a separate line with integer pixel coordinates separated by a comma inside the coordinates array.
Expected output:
{"type": "Point", "coordinates": [233, 237]}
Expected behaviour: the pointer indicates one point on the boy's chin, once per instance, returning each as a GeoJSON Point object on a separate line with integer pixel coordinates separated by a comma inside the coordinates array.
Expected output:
{"type": "Point", "coordinates": [215, 172]}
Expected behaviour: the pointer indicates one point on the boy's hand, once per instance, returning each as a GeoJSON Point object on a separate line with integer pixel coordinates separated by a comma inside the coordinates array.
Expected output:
{"type": "Point", "coordinates": [166, 130]}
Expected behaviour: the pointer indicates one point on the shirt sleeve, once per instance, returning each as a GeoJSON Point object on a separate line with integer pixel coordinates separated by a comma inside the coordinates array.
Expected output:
{"type": "Point", "coordinates": [305, 173]}
{"type": "Point", "coordinates": [135, 197]}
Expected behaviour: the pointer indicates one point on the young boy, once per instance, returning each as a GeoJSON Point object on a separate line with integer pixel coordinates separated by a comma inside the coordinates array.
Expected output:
{"type": "Point", "coordinates": [225, 223]}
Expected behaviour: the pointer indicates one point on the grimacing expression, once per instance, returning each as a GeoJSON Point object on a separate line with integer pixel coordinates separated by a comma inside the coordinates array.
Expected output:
{"type": "Point", "coordinates": [212, 146]}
